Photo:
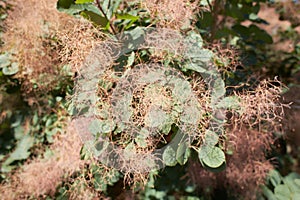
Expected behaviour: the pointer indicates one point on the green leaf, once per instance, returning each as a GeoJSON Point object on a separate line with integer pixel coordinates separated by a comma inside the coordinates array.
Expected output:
{"type": "Point", "coordinates": [183, 153]}
{"type": "Point", "coordinates": [128, 19]}
{"type": "Point", "coordinates": [242, 31]}
{"type": "Point", "coordinates": [64, 4]}
{"type": "Point", "coordinates": [211, 138]}
{"type": "Point", "coordinates": [182, 90]}
{"type": "Point", "coordinates": [231, 102]}
{"type": "Point", "coordinates": [156, 118]}
{"type": "Point", "coordinates": [296, 196]}
{"type": "Point", "coordinates": [274, 178]}
{"type": "Point", "coordinates": [106, 85]}
{"type": "Point", "coordinates": [282, 192]}
{"type": "Point", "coordinates": [260, 35]}
{"type": "Point", "coordinates": [133, 38]}
{"type": "Point", "coordinates": [83, 1]}
{"type": "Point", "coordinates": [297, 182]}
{"type": "Point", "coordinates": [99, 147]}
{"type": "Point", "coordinates": [49, 122]}
{"type": "Point", "coordinates": [218, 90]}
{"type": "Point", "coordinates": [195, 39]}
{"type": "Point", "coordinates": [113, 176]}
{"type": "Point", "coordinates": [21, 151]}
{"type": "Point", "coordinates": [289, 180]}
{"type": "Point", "coordinates": [190, 115]}
{"type": "Point", "coordinates": [253, 16]}
{"type": "Point", "coordinates": [99, 183]}
{"type": "Point", "coordinates": [141, 140]}
{"type": "Point", "coordinates": [127, 16]}
{"type": "Point", "coordinates": [115, 5]}
{"type": "Point", "coordinates": [130, 59]}
{"type": "Point", "coordinates": [101, 126]}
{"type": "Point", "coordinates": [77, 8]}
{"type": "Point", "coordinates": [211, 156]}
{"type": "Point", "coordinates": [72, 10]}
{"type": "Point", "coordinates": [268, 193]}
{"type": "Point", "coordinates": [129, 151]}
{"type": "Point", "coordinates": [11, 69]}
{"type": "Point", "coordinates": [169, 156]}
{"type": "Point", "coordinates": [94, 17]}
{"type": "Point", "coordinates": [4, 60]}
{"type": "Point", "coordinates": [200, 59]}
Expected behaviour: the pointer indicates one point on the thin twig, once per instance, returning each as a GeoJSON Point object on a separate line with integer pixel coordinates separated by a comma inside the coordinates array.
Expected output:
{"type": "Point", "coordinates": [104, 14]}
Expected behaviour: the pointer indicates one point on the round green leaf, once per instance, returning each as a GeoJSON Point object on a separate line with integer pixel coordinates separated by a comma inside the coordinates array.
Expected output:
{"type": "Point", "coordinates": [211, 156]}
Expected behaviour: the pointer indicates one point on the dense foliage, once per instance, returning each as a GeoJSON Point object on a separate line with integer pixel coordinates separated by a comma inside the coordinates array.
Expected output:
{"type": "Point", "coordinates": [141, 100]}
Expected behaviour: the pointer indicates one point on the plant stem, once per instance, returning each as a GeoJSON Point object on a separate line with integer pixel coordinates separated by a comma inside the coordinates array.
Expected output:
{"type": "Point", "coordinates": [104, 14]}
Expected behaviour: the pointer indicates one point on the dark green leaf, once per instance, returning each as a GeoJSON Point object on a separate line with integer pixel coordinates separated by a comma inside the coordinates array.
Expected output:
{"type": "Point", "coordinates": [96, 18]}
{"type": "Point", "coordinates": [64, 4]}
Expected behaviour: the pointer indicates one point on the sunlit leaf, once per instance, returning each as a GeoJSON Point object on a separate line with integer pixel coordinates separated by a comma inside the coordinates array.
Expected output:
{"type": "Point", "coordinates": [127, 16]}
{"type": "Point", "coordinates": [130, 60]}
{"type": "Point", "coordinates": [211, 156]}
{"type": "Point", "coordinates": [83, 1]}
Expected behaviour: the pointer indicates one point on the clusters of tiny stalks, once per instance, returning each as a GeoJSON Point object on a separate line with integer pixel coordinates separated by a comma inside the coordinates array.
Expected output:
{"type": "Point", "coordinates": [248, 133]}
{"type": "Point", "coordinates": [252, 125]}
{"type": "Point", "coordinates": [248, 138]}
